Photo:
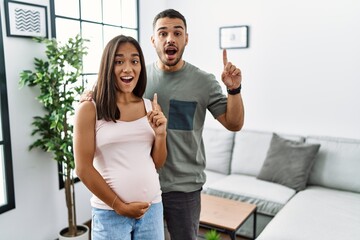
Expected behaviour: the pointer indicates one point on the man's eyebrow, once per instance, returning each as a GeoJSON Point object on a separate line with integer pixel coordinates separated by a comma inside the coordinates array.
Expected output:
{"type": "Point", "coordinates": [162, 28]}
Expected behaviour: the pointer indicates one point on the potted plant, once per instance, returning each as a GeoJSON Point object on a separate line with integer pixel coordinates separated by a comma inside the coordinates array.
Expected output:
{"type": "Point", "coordinates": [58, 77]}
{"type": "Point", "coordinates": [212, 235]}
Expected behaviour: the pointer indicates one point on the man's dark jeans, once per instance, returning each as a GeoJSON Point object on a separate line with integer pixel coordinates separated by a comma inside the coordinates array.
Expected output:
{"type": "Point", "coordinates": [182, 214]}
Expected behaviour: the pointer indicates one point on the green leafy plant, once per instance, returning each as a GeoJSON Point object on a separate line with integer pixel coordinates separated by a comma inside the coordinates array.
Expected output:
{"type": "Point", "coordinates": [212, 235]}
{"type": "Point", "coordinates": [58, 77]}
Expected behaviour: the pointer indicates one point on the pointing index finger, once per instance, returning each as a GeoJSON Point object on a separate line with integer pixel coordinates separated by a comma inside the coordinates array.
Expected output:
{"type": "Point", "coordinates": [155, 103]}
{"type": "Point", "coordinates": [225, 60]}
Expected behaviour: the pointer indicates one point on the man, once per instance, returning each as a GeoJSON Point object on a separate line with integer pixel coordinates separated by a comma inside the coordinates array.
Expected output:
{"type": "Point", "coordinates": [185, 93]}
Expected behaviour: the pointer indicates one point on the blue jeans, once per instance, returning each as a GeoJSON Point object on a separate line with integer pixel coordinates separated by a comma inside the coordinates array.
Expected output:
{"type": "Point", "coordinates": [182, 214]}
{"type": "Point", "coordinates": [108, 225]}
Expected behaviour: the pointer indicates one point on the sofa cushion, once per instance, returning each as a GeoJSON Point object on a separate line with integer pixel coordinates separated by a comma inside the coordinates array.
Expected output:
{"type": "Point", "coordinates": [212, 177]}
{"type": "Point", "coordinates": [337, 163]}
{"type": "Point", "coordinates": [317, 213]}
{"type": "Point", "coordinates": [288, 162]}
{"type": "Point", "coordinates": [250, 148]}
{"type": "Point", "coordinates": [218, 144]}
{"type": "Point", "coordinates": [251, 190]}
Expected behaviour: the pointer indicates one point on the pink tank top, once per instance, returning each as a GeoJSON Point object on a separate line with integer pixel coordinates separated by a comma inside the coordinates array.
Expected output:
{"type": "Point", "coordinates": [123, 158]}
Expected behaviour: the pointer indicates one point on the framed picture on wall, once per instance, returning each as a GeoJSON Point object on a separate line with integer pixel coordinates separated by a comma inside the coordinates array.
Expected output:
{"type": "Point", "coordinates": [25, 19]}
{"type": "Point", "coordinates": [234, 37]}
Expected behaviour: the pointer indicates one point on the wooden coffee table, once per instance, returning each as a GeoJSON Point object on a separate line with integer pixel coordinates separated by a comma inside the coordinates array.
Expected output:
{"type": "Point", "coordinates": [225, 215]}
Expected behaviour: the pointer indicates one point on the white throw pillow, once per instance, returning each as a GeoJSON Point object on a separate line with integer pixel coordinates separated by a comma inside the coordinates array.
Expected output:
{"type": "Point", "coordinates": [218, 145]}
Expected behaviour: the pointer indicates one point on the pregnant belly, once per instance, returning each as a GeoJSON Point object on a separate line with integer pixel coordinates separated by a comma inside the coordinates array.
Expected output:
{"type": "Point", "coordinates": [137, 187]}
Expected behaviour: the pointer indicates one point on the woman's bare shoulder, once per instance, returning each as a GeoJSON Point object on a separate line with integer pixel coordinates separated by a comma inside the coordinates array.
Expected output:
{"type": "Point", "coordinates": [86, 108]}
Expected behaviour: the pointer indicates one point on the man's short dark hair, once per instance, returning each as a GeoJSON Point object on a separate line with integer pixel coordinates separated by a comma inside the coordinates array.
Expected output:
{"type": "Point", "coordinates": [170, 13]}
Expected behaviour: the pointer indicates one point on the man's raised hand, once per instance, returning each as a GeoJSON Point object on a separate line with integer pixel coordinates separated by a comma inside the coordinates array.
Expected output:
{"type": "Point", "coordinates": [231, 75]}
{"type": "Point", "coordinates": [86, 96]}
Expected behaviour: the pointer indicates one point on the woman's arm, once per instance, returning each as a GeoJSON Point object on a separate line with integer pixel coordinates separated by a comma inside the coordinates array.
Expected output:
{"type": "Point", "coordinates": [158, 122]}
{"type": "Point", "coordinates": [84, 150]}
{"type": "Point", "coordinates": [159, 151]}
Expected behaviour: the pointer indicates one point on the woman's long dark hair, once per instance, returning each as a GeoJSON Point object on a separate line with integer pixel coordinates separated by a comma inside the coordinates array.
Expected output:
{"type": "Point", "coordinates": [105, 89]}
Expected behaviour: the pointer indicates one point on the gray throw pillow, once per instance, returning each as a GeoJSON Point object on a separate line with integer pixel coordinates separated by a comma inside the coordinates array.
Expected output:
{"type": "Point", "coordinates": [288, 162]}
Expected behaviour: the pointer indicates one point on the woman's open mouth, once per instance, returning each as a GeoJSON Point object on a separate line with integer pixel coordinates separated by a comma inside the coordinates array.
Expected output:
{"type": "Point", "coordinates": [126, 79]}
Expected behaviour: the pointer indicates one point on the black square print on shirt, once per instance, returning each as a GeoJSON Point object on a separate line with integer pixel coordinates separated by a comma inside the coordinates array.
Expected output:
{"type": "Point", "coordinates": [181, 115]}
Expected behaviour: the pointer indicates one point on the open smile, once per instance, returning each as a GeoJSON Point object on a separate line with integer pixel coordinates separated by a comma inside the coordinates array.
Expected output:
{"type": "Point", "coordinates": [126, 79]}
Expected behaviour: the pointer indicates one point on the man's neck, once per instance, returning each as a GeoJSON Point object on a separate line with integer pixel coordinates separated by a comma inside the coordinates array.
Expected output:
{"type": "Point", "coordinates": [167, 68]}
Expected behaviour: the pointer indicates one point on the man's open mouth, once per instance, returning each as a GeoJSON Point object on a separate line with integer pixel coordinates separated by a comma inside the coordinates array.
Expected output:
{"type": "Point", "coordinates": [170, 50]}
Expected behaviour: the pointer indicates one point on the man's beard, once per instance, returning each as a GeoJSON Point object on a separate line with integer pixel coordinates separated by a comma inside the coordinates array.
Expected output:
{"type": "Point", "coordinates": [173, 62]}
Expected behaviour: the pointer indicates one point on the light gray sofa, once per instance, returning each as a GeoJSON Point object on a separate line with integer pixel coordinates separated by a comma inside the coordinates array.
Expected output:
{"type": "Point", "coordinates": [327, 206]}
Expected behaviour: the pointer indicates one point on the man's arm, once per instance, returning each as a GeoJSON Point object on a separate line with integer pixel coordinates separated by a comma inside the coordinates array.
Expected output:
{"type": "Point", "coordinates": [233, 118]}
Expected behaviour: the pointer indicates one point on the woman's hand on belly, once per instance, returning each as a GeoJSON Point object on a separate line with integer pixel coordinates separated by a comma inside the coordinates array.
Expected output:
{"type": "Point", "coordinates": [132, 209]}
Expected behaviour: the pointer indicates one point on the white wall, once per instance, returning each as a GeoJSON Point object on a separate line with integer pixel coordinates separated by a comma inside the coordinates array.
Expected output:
{"type": "Point", "coordinates": [40, 206]}
{"type": "Point", "coordinates": [301, 72]}
{"type": "Point", "coordinates": [300, 75]}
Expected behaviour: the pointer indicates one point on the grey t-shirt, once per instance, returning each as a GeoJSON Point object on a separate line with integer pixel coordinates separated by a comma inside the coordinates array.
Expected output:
{"type": "Point", "coordinates": [184, 96]}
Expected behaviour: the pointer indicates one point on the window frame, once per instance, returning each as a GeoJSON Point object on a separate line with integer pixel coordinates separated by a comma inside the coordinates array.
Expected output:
{"type": "Point", "coordinates": [53, 17]}
{"type": "Point", "coordinates": [6, 141]}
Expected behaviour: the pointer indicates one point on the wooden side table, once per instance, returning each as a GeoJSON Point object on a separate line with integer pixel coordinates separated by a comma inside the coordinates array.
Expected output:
{"type": "Point", "coordinates": [225, 215]}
